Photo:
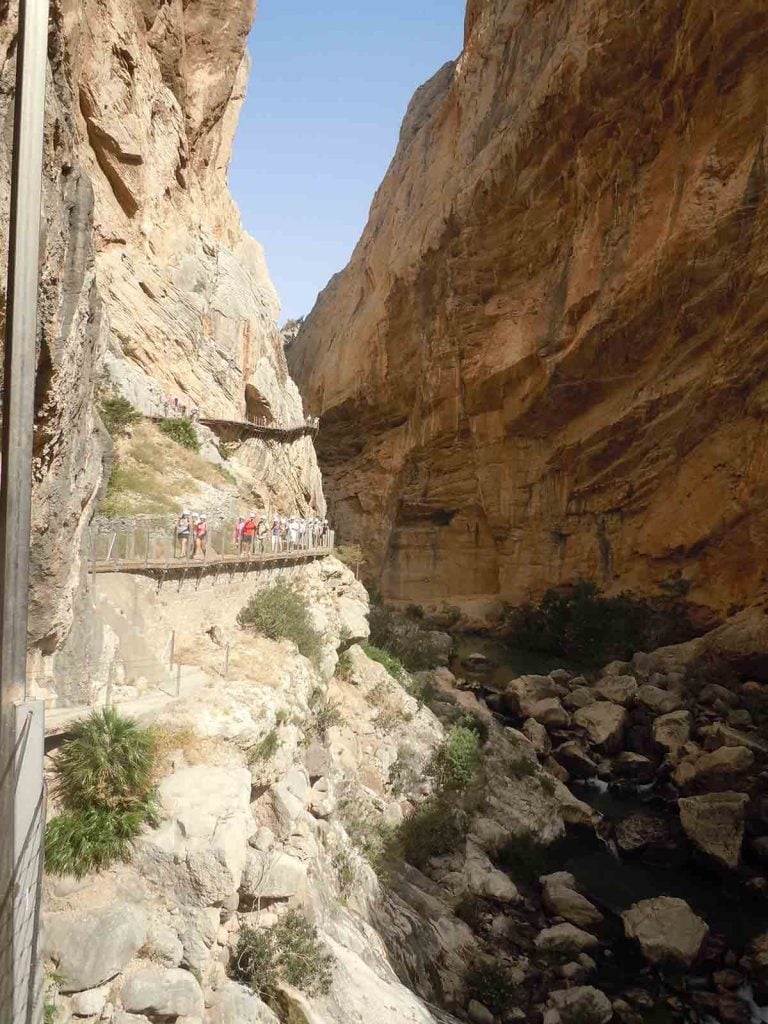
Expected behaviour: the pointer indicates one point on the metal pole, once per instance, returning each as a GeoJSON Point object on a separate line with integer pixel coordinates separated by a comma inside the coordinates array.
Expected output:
{"type": "Point", "coordinates": [173, 644]}
{"type": "Point", "coordinates": [21, 729]}
{"type": "Point", "coordinates": [226, 662]}
{"type": "Point", "coordinates": [178, 680]}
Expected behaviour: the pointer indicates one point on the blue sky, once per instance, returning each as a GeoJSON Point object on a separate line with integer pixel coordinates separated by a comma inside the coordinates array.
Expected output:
{"type": "Point", "coordinates": [329, 87]}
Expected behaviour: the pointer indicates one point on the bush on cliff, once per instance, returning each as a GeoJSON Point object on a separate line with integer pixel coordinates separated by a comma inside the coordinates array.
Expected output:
{"type": "Point", "coordinates": [117, 414]}
{"type": "Point", "coordinates": [454, 764]}
{"type": "Point", "coordinates": [182, 432]}
{"type": "Point", "coordinates": [104, 782]}
{"type": "Point", "coordinates": [279, 612]}
{"type": "Point", "coordinates": [289, 952]}
{"type": "Point", "coordinates": [581, 624]}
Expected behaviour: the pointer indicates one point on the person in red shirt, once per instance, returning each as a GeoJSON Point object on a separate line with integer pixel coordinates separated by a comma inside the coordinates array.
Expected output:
{"type": "Point", "coordinates": [249, 532]}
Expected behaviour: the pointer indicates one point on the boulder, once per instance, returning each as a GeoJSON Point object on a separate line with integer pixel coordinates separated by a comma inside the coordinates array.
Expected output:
{"type": "Point", "coordinates": [290, 796]}
{"type": "Point", "coordinates": [235, 1004]}
{"type": "Point", "coordinates": [637, 831]}
{"type": "Point", "coordinates": [483, 879]}
{"type": "Point", "coordinates": [353, 620]}
{"type": "Point", "coordinates": [537, 735]}
{"type": "Point", "coordinates": [714, 822]}
{"type": "Point", "coordinates": [163, 992]}
{"type": "Point", "coordinates": [440, 646]}
{"type": "Point", "coordinates": [575, 759]}
{"type": "Point", "coordinates": [199, 852]}
{"type": "Point", "coordinates": [633, 767]}
{"type": "Point", "coordinates": [604, 724]}
{"type": "Point", "coordinates": [582, 1004]}
{"type": "Point", "coordinates": [89, 1003]}
{"type": "Point", "coordinates": [713, 769]}
{"type": "Point", "coordinates": [617, 689]}
{"type": "Point", "coordinates": [562, 900]}
{"type": "Point", "coordinates": [713, 693]}
{"type": "Point", "coordinates": [523, 693]}
{"type": "Point", "coordinates": [616, 668]}
{"type": "Point", "coordinates": [478, 1013]}
{"type": "Point", "coordinates": [581, 697]}
{"type": "Point", "coordinates": [565, 938]}
{"type": "Point", "coordinates": [90, 947]}
{"type": "Point", "coordinates": [550, 713]}
{"type": "Point", "coordinates": [666, 929]}
{"type": "Point", "coordinates": [162, 944]}
{"type": "Point", "coordinates": [660, 702]}
{"type": "Point", "coordinates": [272, 875]}
{"type": "Point", "coordinates": [672, 731]}
{"type": "Point", "coordinates": [720, 735]}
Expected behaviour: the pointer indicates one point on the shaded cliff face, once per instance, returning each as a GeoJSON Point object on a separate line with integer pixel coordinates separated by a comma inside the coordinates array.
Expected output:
{"type": "Point", "coordinates": [547, 356]}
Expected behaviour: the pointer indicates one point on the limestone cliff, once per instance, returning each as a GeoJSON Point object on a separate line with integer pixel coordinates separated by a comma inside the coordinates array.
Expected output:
{"type": "Point", "coordinates": [547, 356]}
{"type": "Point", "coordinates": [148, 280]}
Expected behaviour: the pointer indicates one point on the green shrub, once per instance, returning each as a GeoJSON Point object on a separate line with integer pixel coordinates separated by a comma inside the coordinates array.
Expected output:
{"type": "Point", "coordinates": [393, 665]}
{"type": "Point", "coordinates": [289, 952]}
{"type": "Point", "coordinates": [117, 414]}
{"type": "Point", "coordinates": [580, 624]}
{"type": "Point", "coordinates": [455, 762]}
{"type": "Point", "coordinates": [434, 828]}
{"type": "Point", "coordinates": [522, 857]}
{"type": "Point", "coordinates": [325, 713]}
{"type": "Point", "coordinates": [493, 984]}
{"type": "Point", "coordinates": [522, 766]}
{"type": "Point", "coordinates": [266, 748]}
{"type": "Point", "coordinates": [104, 781]}
{"type": "Point", "coordinates": [346, 872]}
{"type": "Point", "coordinates": [182, 432]}
{"type": "Point", "coordinates": [279, 612]}
{"type": "Point", "coordinates": [344, 667]}
{"type": "Point", "coordinates": [367, 831]}
{"type": "Point", "coordinates": [77, 842]}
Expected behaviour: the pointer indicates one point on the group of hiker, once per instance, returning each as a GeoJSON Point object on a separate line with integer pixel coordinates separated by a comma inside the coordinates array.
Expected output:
{"type": "Point", "coordinates": [260, 533]}
{"type": "Point", "coordinates": [177, 408]}
{"type": "Point", "coordinates": [253, 534]}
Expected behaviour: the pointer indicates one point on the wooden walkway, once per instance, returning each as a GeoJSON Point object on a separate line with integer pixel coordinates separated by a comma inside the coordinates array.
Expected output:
{"type": "Point", "coordinates": [269, 431]}
{"type": "Point", "coordinates": [211, 564]}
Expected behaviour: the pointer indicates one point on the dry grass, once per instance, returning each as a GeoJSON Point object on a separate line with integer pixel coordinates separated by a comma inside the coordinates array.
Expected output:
{"type": "Point", "coordinates": [195, 748]}
{"type": "Point", "coordinates": [153, 472]}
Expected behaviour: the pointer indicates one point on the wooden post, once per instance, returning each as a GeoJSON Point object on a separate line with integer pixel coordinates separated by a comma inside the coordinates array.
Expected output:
{"type": "Point", "coordinates": [173, 645]}
{"type": "Point", "coordinates": [226, 662]}
{"type": "Point", "coordinates": [178, 680]}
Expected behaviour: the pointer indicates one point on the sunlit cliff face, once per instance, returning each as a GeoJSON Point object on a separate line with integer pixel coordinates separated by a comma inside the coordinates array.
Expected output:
{"type": "Point", "coordinates": [546, 358]}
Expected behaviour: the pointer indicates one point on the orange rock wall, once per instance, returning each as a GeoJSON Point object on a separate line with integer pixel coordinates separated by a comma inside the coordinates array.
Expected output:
{"type": "Point", "coordinates": [547, 357]}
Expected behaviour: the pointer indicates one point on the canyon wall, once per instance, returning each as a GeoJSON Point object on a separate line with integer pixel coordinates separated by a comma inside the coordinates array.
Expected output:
{"type": "Point", "coordinates": [149, 284]}
{"type": "Point", "coordinates": [546, 358]}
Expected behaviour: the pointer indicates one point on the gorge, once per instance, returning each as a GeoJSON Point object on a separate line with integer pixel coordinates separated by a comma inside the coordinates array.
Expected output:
{"type": "Point", "coordinates": [543, 366]}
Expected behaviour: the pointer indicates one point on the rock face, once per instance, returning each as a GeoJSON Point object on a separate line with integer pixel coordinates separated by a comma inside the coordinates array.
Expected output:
{"type": "Point", "coordinates": [544, 359]}
{"type": "Point", "coordinates": [148, 280]}
{"type": "Point", "coordinates": [715, 823]}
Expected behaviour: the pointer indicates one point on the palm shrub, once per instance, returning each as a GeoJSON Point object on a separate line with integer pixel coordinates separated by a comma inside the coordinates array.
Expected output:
{"type": "Point", "coordinates": [182, 432]}
{"type": "Point", "coordinates": [104, 782]}
{"type": "Point", "coordinates": [289, 952]}
{"type": "Point", "coordinates": [279, 612]}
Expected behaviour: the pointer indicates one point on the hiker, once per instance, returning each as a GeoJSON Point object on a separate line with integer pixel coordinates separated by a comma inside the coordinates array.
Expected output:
{"type": "Point", "coordinates": [238, 534]}
{"type": "Point", "coordinates": [261, 534]}
{"type": "Point", "coordinates": [293, 533]}
{"type": "Point", "coordinates": [182, 534]}
{"type": "Point", "coordinates": [249, 532]}
{"type": "Point", "coordinates": [302, 532]}
{"type": "Point", "coordinates": [165, 408]}
{"type": "Point", "coordinates": [201, 537]}
{"type": "Point", "coordinates": [276, 533]}
{"type": "Point", "coordinates": [194, 522]}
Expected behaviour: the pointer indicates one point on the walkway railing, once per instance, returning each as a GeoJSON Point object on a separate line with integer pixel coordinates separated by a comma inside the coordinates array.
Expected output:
{"type": "Point", "coordinates": [140, 548]}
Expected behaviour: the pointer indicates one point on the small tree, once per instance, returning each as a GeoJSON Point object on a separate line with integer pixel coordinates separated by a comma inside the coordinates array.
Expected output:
{"type": "Point", "coordinates": [117, 414]}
